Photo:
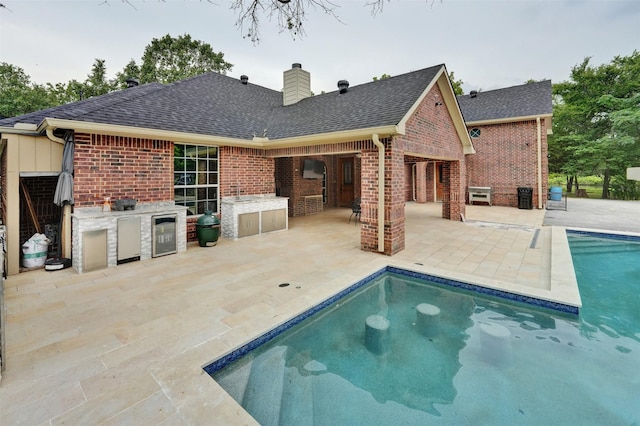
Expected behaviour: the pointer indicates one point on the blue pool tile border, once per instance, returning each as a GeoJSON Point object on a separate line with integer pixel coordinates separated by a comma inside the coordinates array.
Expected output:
{"type": "Point", "coordinates": [513, 297]}
{"type": "Point", "coordinates": [222, 362]}
{"type": "Point", "coordinates": [622, 237]}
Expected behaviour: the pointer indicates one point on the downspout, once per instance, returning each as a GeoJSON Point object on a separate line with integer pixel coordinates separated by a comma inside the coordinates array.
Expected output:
{"type": "Point", "coordinates": [54, 138]}
{"type": "Point", "coordinates": [380, 145]}
{"type": "Point", "coordinates": [539, 163]}
{"type": "Point", "coordinates": [65, 232]}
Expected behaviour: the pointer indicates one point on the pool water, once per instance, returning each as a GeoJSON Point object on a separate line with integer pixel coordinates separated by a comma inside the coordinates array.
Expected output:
{"type": "Point", "coordinates": [483, 360]}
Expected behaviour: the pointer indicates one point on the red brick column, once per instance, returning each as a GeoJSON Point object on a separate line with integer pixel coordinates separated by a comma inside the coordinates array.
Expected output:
{"type": "Point", "coordinates": [421, 182]}
{"type": "Point", "coordinates": [453, 207]}
{"type": "Point", "coordinates": [394, 220]}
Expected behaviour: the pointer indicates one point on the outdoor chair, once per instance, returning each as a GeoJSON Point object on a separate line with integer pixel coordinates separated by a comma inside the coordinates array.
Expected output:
{"type": "Point", "coordinates": [355, 211]}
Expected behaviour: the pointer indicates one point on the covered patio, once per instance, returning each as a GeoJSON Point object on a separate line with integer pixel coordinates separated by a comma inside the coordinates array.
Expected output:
{"type": "Point", "coordinates": [126, 345]}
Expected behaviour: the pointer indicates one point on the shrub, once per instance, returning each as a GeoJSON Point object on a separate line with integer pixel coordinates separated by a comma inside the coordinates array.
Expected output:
{"type": "Point", "coordinates": [621, 188]}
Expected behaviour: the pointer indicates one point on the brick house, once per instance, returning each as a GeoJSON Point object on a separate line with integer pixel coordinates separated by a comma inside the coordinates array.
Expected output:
{"type": "Point", "coordinates": [197, 144]}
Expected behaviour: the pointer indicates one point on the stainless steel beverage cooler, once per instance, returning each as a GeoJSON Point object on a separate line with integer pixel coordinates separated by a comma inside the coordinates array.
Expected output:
{"type": "Point", "coordinates": [163, 231]}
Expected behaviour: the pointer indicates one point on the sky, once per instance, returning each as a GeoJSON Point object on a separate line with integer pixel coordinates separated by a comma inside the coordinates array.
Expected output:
{"type": "Point", "coordinates": [487, 44]}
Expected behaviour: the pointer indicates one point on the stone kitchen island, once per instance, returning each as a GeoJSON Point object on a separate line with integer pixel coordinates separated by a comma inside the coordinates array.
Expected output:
{"type": "Point", "coordinates": [253, 214]}
{"type": "Point", "coordinates": [100, 238]}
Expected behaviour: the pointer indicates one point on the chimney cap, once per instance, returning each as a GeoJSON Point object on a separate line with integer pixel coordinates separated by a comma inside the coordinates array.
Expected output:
{"type": "Point", "coordinates": [244, 79]}
{"type": "Point", "coordinates": [343, 86]}
{"type": "Point", "coordinates": [296, 65]}
{"type": "Point", "coordinates": [473, 93]}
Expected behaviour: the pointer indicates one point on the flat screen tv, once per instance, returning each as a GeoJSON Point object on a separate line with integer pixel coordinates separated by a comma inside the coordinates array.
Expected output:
{"type": "Point", "coordinates": [313, 169]}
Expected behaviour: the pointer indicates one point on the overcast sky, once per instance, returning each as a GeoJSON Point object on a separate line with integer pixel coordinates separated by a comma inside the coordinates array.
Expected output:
{"type": "Point", "coordinates": [487, 44]}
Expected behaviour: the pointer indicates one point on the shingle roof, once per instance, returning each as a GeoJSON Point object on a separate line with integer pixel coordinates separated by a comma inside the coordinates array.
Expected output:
{"type": "Point", "coordinates": [217, 105]}
{"type": "Point", "coordinates": [214, 104]}
{"type": "Point", "coordinates": [378, 103]}
{"type": "Point", "coordinates": [526, 100]}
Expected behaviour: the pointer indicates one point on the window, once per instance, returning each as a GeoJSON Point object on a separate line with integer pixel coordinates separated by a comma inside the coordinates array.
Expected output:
{"type": "Point", "coordinates": [195, 177]}
{"type": "Point", "coordinates": [474, 133]}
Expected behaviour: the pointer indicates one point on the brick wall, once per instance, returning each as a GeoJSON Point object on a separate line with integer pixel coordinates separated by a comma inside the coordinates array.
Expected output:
{"type": "Point", "coordinates": [246, 171]}
{"type": "Point", "coordinates": [430, 131]}
{"type": "Point", "coordinates": [121, 167]}
{"type": "Point", "coordinates": [506, 158]}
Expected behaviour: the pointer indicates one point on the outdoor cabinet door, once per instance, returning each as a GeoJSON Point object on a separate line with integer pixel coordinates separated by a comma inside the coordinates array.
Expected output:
{"type": "Point", "coordinates": [248, 224]}
{"type": "Point", "coordinates": [274, 220]}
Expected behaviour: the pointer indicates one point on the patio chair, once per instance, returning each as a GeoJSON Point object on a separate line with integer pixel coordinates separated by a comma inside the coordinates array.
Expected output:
{"type": "Point", "coordinates": [355, 211]}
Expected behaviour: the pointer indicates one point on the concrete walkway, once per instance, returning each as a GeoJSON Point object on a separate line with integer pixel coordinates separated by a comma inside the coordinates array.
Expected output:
{"type": "Point", "coordinates": [597, 214]}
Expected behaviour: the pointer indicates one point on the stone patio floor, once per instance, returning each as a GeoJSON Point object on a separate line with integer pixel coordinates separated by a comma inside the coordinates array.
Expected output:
{"type": "Point", "coordinates": [126, 345]}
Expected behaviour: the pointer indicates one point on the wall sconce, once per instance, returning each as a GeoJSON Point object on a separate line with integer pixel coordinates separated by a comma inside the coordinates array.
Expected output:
{"type": "Point", "coordinates": [438, 103]}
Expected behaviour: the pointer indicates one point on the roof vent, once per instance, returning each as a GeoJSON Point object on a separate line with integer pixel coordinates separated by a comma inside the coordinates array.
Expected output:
{"type": "Point", "coordinates": [473, 93]}
{"type": "Point", "coordinates": [343, 85]}
{"type": "Point", "coordinates": [132, 82]}
{"type": "Point", "coordinates": [244, 79]}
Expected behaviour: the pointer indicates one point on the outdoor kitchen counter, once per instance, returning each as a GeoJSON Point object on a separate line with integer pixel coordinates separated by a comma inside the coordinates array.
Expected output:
{"type": "Point", "coordinates": [253, 214]}
{"type": "Point", "coordinates": [140, 209]}
{"type": "Point", "coordinates": [92, 220]}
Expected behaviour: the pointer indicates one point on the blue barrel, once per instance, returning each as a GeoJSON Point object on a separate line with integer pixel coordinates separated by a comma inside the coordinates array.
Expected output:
{"type": "Point", "coordinates": [556, 193]}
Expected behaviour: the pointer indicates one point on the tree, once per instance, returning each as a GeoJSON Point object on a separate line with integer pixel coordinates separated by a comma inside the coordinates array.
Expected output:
{"type": "Point", "coordinates": [169, 59]}
{"type": "Point", "coordinates": [96, 83]}
{"type": "Point", "coordinates": [456, 84]}
{"type": "Point", "coordinates": [382, 77]}
{"type": "Point", "coordinates": [130, 71]}
{"type": "Point", "coordinates": [589, 112]}
{"type": "Point", "coordinates": [18, 95]}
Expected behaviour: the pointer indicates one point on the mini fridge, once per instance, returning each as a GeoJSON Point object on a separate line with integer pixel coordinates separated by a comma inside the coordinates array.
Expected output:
{"type": "Point", "coordinates": [163, 231]}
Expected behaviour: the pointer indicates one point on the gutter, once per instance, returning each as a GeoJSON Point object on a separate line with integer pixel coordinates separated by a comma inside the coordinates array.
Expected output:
{"type": "Point", "coordinates": [539, 163]}
{"type": "Point", "coordinates": [380, 145]}
{"type": "Point", "coordinates": [183, 137]}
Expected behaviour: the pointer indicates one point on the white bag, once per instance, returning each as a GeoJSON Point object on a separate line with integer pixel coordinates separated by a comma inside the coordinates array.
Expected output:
{"type": "Point", "coordinates": [34, 251]}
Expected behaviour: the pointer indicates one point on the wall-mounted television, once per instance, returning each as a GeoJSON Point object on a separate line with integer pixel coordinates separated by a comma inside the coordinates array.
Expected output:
{"type": "Point", "coordinates": [313, 169]}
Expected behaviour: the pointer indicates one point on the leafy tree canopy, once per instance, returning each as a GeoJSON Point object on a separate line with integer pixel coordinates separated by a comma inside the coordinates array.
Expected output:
{"type": "Point", "coordinates": [165, 60]}
{"type": "Point", "coordinates": [18, 95]}
{"type": "Point", "coordinates": [456, 84]}
{"type": "Point", "coordinates": [382, 77]}
{"type": "Point", "coordinates": [169, 59]}
{"type": "Point", "coordinates": [596, 119]}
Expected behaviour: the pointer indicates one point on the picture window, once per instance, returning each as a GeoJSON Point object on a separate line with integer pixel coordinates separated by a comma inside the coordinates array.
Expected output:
{"type": "Point", "coordinates": [195, 178]}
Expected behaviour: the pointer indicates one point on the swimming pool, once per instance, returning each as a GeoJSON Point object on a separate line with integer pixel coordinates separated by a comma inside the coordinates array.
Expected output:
{"type": "Point", "coordinates": [489, 360]}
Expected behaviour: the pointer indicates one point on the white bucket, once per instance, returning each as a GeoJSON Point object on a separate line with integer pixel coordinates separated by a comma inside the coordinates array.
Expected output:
{"type": "Point", "coordinates": [34, 251]}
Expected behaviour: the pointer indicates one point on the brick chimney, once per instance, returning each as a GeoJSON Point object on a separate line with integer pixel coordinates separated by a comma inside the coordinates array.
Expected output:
{"type": "Point", "coordinates": [297, 85]}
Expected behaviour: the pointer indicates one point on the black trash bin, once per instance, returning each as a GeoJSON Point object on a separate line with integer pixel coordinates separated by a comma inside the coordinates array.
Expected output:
{"type": "Point", "coordinates": [525, 197]}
